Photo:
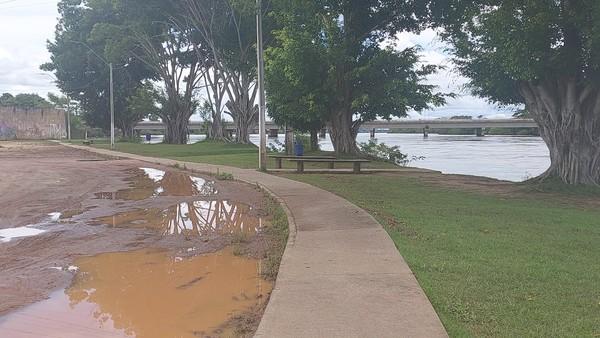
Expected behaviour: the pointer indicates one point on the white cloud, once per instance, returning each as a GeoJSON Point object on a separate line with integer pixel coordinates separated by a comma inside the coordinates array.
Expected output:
{"type": "Point", "coordinates": [433, 51]}
{"type": "Point", "coordinates": [26, 25]}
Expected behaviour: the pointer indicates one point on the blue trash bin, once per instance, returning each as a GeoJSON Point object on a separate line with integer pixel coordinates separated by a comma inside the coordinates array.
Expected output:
{"type": "Point", "coordinates": [299, 149]}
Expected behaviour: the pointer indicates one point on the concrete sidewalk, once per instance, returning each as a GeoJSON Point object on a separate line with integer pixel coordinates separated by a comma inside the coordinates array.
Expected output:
{"type": "Point", "coordinates": [340, 276]}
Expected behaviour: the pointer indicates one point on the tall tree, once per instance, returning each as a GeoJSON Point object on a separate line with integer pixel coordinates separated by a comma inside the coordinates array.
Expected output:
{"type": "Point", "coordinates": [229, 29]}
{"type": "Point", "coordinates": [209, 20]}
{"type": "Point", "coordinates": [360, 79]}
{"type": "Point", "coordinates": [79, 54]}
{"type": "Point", "coordinates": [294, 68]}
{"type": "Point", "coordinates": [545, 55]}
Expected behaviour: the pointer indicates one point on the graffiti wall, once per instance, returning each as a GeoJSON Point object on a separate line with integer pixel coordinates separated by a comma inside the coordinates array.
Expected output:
{"type": "Point", "coordinates": [32, 124]}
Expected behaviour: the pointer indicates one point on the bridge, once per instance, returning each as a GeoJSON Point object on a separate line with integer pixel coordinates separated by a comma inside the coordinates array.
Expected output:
{"type": "Point", "coordinates": [425, 125]}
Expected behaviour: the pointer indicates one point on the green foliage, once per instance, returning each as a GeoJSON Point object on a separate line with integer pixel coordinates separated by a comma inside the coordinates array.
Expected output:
{"type": "Point", "coordinates": [522, 114]}
{"type": "Point", "coordinates": [86, 38]}
{"type": "Point", "coordinates": [327, 62]}
{"type": "Point", "coordinates": [24, 101]}
{"type": "Point", "coordinates": [381, 152]}
{"type": "Point", "coordinates": [223, 176]}
{"type": "Point", "coordinates": [278, 232]}
{"type": "Point", "coordinates": [500, 43]}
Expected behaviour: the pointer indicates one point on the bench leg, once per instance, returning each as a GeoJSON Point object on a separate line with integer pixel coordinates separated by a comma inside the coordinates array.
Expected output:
{"type": "Point", "coordinates": [331, 165]}
{"type": "Point", "coordinates": [278, 162]}
{"type": "Point", "coordinates": [300, 166]}
{"type": "Point", "coordinates": [356, 167]}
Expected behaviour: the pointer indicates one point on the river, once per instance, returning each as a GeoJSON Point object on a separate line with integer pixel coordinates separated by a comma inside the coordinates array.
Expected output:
{"type": "Point", "coordinates": [511, 158]}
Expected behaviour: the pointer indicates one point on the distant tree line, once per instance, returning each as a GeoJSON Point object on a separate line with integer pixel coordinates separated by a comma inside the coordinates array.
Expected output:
{"type": "Point", "coordinates": [24, 101]}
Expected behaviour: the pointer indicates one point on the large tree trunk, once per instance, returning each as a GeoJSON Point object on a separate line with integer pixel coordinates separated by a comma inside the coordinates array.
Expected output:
{"type": "Point", "coordinates": [176, 131]}
{"type": "Point", "coordinates": [243, 115]}
{"type": "Point", "coordinates": [241, 107]}
{"type": "Point", "coordinates": [216, 128]}
{"type": "Point", "coordinates": [568, 114]}
{"type": "Point", "coordinates": [343, 133]}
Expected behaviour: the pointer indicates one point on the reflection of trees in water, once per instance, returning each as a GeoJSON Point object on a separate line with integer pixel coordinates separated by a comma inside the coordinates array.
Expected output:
{"type": "Point", "coordinates": [148, 182]}
{"type": "Point", "coordinates": [172, 183]}
{"type": "Point", "coordinates": [205, 217]}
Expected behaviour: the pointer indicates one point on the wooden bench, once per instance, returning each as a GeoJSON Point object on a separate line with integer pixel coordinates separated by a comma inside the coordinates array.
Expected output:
{"type": "Point", "coordinates": [355, 163]}
{"type": "Point", "coordinates": [279, 158]}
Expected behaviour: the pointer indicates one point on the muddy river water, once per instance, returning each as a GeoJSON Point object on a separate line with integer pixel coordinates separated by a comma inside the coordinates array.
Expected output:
{"type": "Point", "coordinates": [153, 257]}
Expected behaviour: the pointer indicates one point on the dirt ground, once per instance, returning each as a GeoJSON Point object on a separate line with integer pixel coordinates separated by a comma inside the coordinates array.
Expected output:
{"type": "Point", "coordinates": [38, 178]}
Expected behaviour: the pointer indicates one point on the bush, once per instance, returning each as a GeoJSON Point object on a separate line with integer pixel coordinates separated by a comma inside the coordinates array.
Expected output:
{"type": "Point", "coordinates": [222, 176]}
{"type": "Point", "coordinates": [381, 152]}
{"type": "Point", "coordinates": [276, 147]}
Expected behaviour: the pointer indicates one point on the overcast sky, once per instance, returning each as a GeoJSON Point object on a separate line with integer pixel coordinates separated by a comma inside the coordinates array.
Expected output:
{"type": "Point", "coordinates": [26, 25]}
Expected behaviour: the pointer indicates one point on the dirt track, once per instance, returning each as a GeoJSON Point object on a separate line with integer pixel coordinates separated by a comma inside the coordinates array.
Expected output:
{"type": "Point", "coordinates": [41, 178]}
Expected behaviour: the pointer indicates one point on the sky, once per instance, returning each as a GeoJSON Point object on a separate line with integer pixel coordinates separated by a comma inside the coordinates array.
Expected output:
{"type": "Point", "coordinates": [26, 25]}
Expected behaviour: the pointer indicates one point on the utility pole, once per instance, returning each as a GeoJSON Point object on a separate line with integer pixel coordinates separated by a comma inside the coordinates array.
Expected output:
{"type": "Point", "coordinates": [262, 151]}
{"type": "Point", "coordinates": [68, 118]}
{"type": "Point", "coordinates": [112, 109]}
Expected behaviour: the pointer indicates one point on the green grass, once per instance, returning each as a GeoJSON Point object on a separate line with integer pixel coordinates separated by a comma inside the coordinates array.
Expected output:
{"type": "Point", "coordinates": [491, 266]}
{"type": "Point", "coordinates": [232, 154]}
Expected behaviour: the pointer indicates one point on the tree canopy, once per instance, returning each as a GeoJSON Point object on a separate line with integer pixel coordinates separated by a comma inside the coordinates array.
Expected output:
{"type": "Point", "coordinates": [24, 101]}
{"type": "Point", "coordinates": [85, 41]}
{"type": "Point", "coordinates": [544, 54]}
{"type": "Point", "coordinates": [328, 63]}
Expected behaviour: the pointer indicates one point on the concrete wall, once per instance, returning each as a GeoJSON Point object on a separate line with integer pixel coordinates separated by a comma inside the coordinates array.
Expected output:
{"type": "Point", "coordinates": [32, 124]}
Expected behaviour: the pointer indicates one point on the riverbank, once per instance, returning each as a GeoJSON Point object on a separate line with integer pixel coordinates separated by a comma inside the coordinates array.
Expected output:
{"type": "Point", "coordinates": [512, 158]}
{"type": "Point", "coordinates": [495, 258]}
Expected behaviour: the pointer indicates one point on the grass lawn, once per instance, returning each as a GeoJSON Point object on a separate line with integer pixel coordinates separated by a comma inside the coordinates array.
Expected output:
{"type": "Point", "coordinates": [491, 266]}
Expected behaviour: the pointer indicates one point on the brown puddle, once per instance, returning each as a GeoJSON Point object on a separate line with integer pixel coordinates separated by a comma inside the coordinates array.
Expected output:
{"type": "Point", "coordinates": [148, 182]}
{"type": "Point", "coordinates": [145, 294]}
{"type": "Point", "coordinates": [198, 218]}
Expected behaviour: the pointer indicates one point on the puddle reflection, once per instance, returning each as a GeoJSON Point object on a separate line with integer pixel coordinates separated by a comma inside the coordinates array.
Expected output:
{"type": "Point", "coordinates": [148, 182]}
{"type": "Point", "coordinates": [146, 294]}
{"type": "Point", "coordinates": [198, 218]}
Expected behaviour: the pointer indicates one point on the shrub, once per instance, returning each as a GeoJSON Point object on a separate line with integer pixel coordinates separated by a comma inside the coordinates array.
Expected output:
{"type": "Point", "coordinates": [381, 152]}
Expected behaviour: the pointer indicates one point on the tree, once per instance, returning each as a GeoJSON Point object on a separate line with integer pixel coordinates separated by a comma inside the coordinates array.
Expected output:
{"type": "Point", "coordinates": [170, 56]}
{"type": "Point", "coordinates": [143, 103]}
{"type": "Point", "coordinates": [24, 101]}
{"type": "Point", "coordinates": [294, 66]}
{"type": "Point", "coordinates": [209, 19]}
{"type": "Point", "coordinates": [545, 55]}
{"type": "Point", "coordinates": [228, 27]}
{"type": "Point", "coordinates": [360, 79]}
{"type": "Point", "coordinates": [6, 100]}
{"type": "Point", "coordinates": [84, 42]}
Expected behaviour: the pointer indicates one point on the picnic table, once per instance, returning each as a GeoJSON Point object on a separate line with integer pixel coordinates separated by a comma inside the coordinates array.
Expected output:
{"type": "Point", "coordinates": [355, 163]}
{"type": "Point", "coordinates": [279, 158]}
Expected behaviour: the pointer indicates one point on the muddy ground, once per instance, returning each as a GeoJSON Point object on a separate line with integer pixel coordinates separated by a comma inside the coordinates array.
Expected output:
{"type": "Point", "coordinates": [37, 179]}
